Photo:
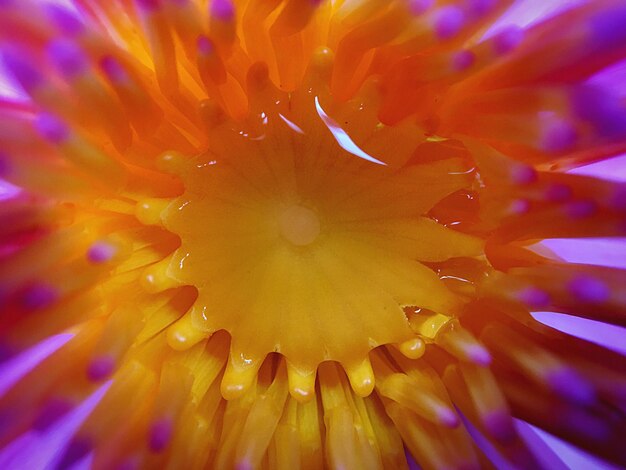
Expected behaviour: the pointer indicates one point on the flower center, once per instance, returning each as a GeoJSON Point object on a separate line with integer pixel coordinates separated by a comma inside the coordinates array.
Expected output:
{"type": "Point", "coordinates": [299, 225]}
{"type": "Point", "coordinates": [300, 246]}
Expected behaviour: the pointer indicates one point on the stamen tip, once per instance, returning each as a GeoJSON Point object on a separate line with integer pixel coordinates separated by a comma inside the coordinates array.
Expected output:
{"type": "Point", "coordinates": [113, 69]}
{"type": "Point", "coordinates": [149, 5]}
{"type": "Point", "coordinates": [607, 28]}
{"type": "Point", "coordinates": [51, 128]}
{"type": "Point", "coordinates": [40, 296]}
{"type": "Point", "coordinates": [68, 57]}
{"type": "Point", "coordinates": [523, 175]}
{"type": "Point", "coordinates": [507, 40]}
{"type": "Point", "coordinates": [534, 297]}
{"type": "Point", "coordinates": [581, 209]}
{"type": "Point", "coordinates": [26, 74]}
{"type": "Point", "coordinates": [463, 60]}
{"type": "Point", "coordinates": [568, 384]}
{"type": "Point", "coordinates": [478, 355]}
{"type": "Point", "coordinates": [160, 435]}
{"type": "Point", "coordinates": [558, 192]}
{"type": "Point", "coordinates": [499, 424]}
{"type": "Point", "coordinates": [205, 45]}
{"type": "Point", "coordinates": [101, 252]}
{"type": "Point", "coordinates": [417, 7]}
{"type": "Point", "coordinates": [449, 22]}
{"type": "Point", "coordinates": [588, 289]}
{"type": "Point", "coordinates": [480, 7]}
{"type": "Point", "coordinates": [65, 20]}
{"type": "Point", "coordinates": [222, 9]}
{"type": "Point", "coordinates": [558, 137]}
{"type": "Point", "coordinates": [100, 368]}
{"type": "Point", "coordinates": [447, 417]}
{"type": "Point", "coordinates": [519, 207]}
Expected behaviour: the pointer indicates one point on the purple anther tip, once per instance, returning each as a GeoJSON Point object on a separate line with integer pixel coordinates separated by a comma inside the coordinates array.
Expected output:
{"type": "Point", "coordinates": [67, 22]}
{"type": "Point", "coordinates": [101, 252]}
{"type": "Point", "coordinates": [27, 76]}
{"type": "Point", "coordinates": [39, 296]}
{"type": "Point", "coordinates": [499, 425]}
{"type": "Point", "coordinates": [478, 355]}
{"type": "Point", "coordinates": [558, 192]}
{"type": "Point", "coordinates": [507, 40]}
{"type": "Point", "coordinates": [534, 297]}
{"type": "Point", "coordinates": [559, 136]}
{"type": "Point", "coordinates": [222, 9]}
{"type": "Point", "coordinates": [568, 384]}
{"type": "Point", "coordinates": [205, 45]}
{"type": "Point", "coordinates": [417, 7]}
{"type": "Point", "coordinates": [68, 57]}
{"type": "Point", "coordinates": [602, 109]}
{"type": "Point", "coordinates": [607, 28]}
{"type": "Point", "coordinates": [51, 128]}
{"type": "Point", "coordinates": [50, 413]}
{"type": "Point", "coordinates": [519, 207]}
{"type": "Point", "coordinates": [581, 209]}
{"type": "Point", "coordinates": [480, 7]}
{"type": "Point", "coordinates": [113, 69]}
{"type": "Point", "coordinates": [449, 22]}
{"type": "Point", "coordinates": [523, 174]}
{"type": "Point", "coordinates": [589, 289]}
{"type": "Point", "coordinates": [160, 435]}
{"type": "Point", "coordinates": [447, 417]}
{"type": "Point", "coordinates": [100, 368]}
{"type": "Point", "coordinates": [148, 5]}
{"type": "Point", "coordinates": [463, 60]}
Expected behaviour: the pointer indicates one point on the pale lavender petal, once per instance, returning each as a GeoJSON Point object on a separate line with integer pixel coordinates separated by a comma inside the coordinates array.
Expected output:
{"type": "Point", "coordinates": [16, 368]}
{"type": "Point", "coordinates": [35, 450]}
{"type": "Point", "coordinates": [609, 336]}
{"type": "Point", "coordinates": [528, 12]}
{"type": "Point", "coordinates": [572, 457]}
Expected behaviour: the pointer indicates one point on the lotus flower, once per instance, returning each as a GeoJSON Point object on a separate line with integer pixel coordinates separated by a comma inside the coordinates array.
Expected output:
{"type": "Point", "coordinates": [284, 234]}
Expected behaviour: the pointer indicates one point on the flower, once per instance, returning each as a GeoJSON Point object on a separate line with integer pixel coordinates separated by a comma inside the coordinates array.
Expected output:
{"type": "Point", "coordinates": [296, 233]}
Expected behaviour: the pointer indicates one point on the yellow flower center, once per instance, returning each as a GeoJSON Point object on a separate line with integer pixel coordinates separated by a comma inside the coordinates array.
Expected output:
{"type": "Point", "coordinates": [298, 243]}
